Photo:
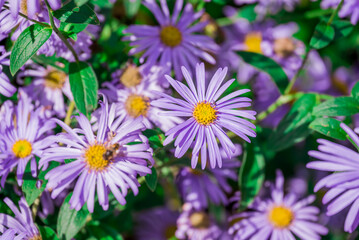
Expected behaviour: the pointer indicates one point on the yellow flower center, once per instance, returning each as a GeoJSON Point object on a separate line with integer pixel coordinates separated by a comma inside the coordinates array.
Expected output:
{"type": "Point", "coordinates": [280, 216]}
{"type": "Point", "coordinates": [55, 79]}
{"type": "Point", "coordinates": [171, 36]}
{"type": "Point", "coordinates": [284, 47]}
{"type": "Point", "coordinates": [131, 76]}
{"type": "Point", "coordinates": [38, 237]}
{"type": "Point", "coordinates": [23, 7]}
{"type": "Point", "coordinates": [200, 220]}
{"type": "Point", "coordinates": [170, 231]}
{"type": "Point", "coordinates": [204, 113]}
{"type": "Point", "coordinates": [22, 148]}
{"type": "Point", "coordinates": [137, 105]}
{"type": "Point", "coordinates": [94, 157]}
{"type": "Point", "coordinates": [253, 42]}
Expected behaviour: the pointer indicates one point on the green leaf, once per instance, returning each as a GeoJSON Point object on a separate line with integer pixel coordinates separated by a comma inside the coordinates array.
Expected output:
{"type": "Point", "coordinates": [47, 233]}
{"type": "Point", "coordinates": [70, 221]}
{"type": "Point", "coordinates": [71, 13]}
{"type": "Point", "coordinates": [105, 232]}
{"type": "Point", "coordinates": [151, 180]}
{"type": "Point", "coordinates": [342, 28]}
{"type": "Point", "coordinates": [294, 127]}
{"type": "Point", "coordinates": [322, 36]}
{"type": "Point", "coordinates": [84, 86]}
{"type": "Point", "coordinates": [155, 137]}
{"type": "Point", "coordinates": [251, 174]}
{"type": "Point", "coordinates": [131, 7]}
{"type": "Point", "coordinates": [29, 187]}
{"type": "Point", "coordinates": [79, 3]}
{"type": "Point", "coordinates": [267, 65]}
{"type": "Point", "coordinates": [27, 44]}
{"type": "Point", "coordinates": [340, 106]}
{"type": "Point", "coordinates": [355, 91]}
{"type": "Point", "coordinates": [329, 127]}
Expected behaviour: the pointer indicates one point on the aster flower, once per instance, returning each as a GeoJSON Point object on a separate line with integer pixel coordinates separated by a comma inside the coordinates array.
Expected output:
{"type": "Point", "coordinates": [206, 116]}
{"type": "Point", "coordinates": [133, 89]}
{"type": "Point", "coordinates": [270, 6]}
{"type": "Point", "coordinates": [157, 224]}
{"type": "Point", "coordinates": [104, 160]}
{"type": "Point", "coordinates": [197, 187]}
{"type": "Point", "coordinates": [22, 139]}
{"type": "Point", "coordinates": [29, 7]}
{"type": "Point", "coordinates": [281, 216]}
{"type": "Point", "coordinates": [173, 43]}
{"type": "Point", "coordinates": [21, 226]}
{"type": "Point", "coordinates": [343, 182]}
{"type": "Point", "coordinates": [48, 87]}
{"type": "Point", "coordinates": [6, 88]}
{"type": "Point", "coordinates": [349, 8]}
{"type": "Point", "coordinates": [196, 225]}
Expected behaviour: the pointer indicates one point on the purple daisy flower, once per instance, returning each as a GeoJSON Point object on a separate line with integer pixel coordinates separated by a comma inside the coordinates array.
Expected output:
{"type": "Point", "coordinates": [29, 7]}
{"type": "Point", "coordinates": [196, 225]}
{"type": "Point", "coordinates": [156, 224]}
{"type": "Point", "coordinates": [21, 226]}
{"type": "Point", "coordinates": [173, 43]}
{"type": "Point", "coordinates": [278, 217]}
{"type": "Point", "coordinates": [48, 87]}
{"type": "Point", "coordinates": [197, 187]}
{"type": "Point", "coordinates": [104, 160]}
{"type": "Point", "coordinates": [6, 88]}
{"type": "Point", "coordinates": [343, 183]}
{"type": "Point", "coordinates": [206, 116]}
{"type": "Point", "coordinates": [22, 138]}
{"type": "Point", "coordinates": [349, 8]}
{"type": "Point", "coordinates": [270, 6]}
{"type": "Point", "coordinates": [132, 91]}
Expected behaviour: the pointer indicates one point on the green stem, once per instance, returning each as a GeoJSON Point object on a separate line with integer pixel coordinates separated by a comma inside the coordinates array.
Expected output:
{"type": "Point", "coordinates": [32, 20]}
{"type": "Point", "coordinates": [294, 79]}
{"type": "Point", "coordinates": [335, 12]}
{"type": "Point", "coordinates": [58, 32]}
{"type": "Point", "coordinates": [69, 112]}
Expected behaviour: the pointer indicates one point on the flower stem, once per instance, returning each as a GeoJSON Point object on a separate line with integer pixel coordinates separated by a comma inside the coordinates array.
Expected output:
{"type": "Point", "coordinates": [69, 112]}
{"type": "Point", "coordinates": [335, 12]}
{"type": "Point", "coordinates": [58, 32]}
{"type": "Point", "coordinates": [32, 20]}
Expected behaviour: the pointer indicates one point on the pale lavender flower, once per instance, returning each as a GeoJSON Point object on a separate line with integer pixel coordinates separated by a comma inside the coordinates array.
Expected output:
{"type": "Point", "coordinates": [156, 224]}
{"type": "Point", "coordinates": [343, 182]}
{"type": "Point", "coordinates": [132, 90]}
{"type": "Point", "coordinates": [48, 87]}
{"type": "Point", "coordinates": [196, 225]}
{"type": "Point", "coordinates": [270, 6]}
{"type": "Point", "coordinates": [198, 187]}
{"type": "Point", "coordinates": [206, 116]}
{"type": "Point", "coordinates": [103, 160]}
{"type": "Point", "coordinates": [21, 226]}
{"type": "Point", "coordinates": [22, 139]}
{"type": "Point", "coordinates": [174, 43]}
{"type": "Point", "coordinates": [29, 7]}
{"type": "Point", "coordinates": [6, 88]}
{"type": "Point", "coordinates": [349, 8]}
{"type": "Point", "coordinates": [281, 216]}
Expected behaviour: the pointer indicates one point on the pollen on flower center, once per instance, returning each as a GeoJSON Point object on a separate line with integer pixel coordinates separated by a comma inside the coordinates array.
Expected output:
{"type": "Point", "coordinates": [200, 220]}
{"type": "Point", "coordinates": [137, 105]}
{"type": "Point", "coordinates": [284, 47]}
{"type": "Point", "coordinates": [280, 216]}
{"type": "Point", "coordinates": [94, 157]}
{"type": "Point", "coordinates": [171, 36]}
{"type": "Point", "coordinates": [253, 42]}
{"type": "Point", "coordinates": [22, 148]}
{"type": "Point", "coordinates": [37, 237]}
{"type": "Point", "coordinates": [23, 7]}
{"type": "Point", "coordinates": [205, 113]}
{"type": "Point", "coordinates": [55, 79]}
{"type": "Point", "coordinates": [131, 76]}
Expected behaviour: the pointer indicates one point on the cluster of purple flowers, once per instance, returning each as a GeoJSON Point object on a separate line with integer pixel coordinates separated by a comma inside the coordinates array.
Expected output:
{"type": "Point", "coordinates": [180, 86]}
